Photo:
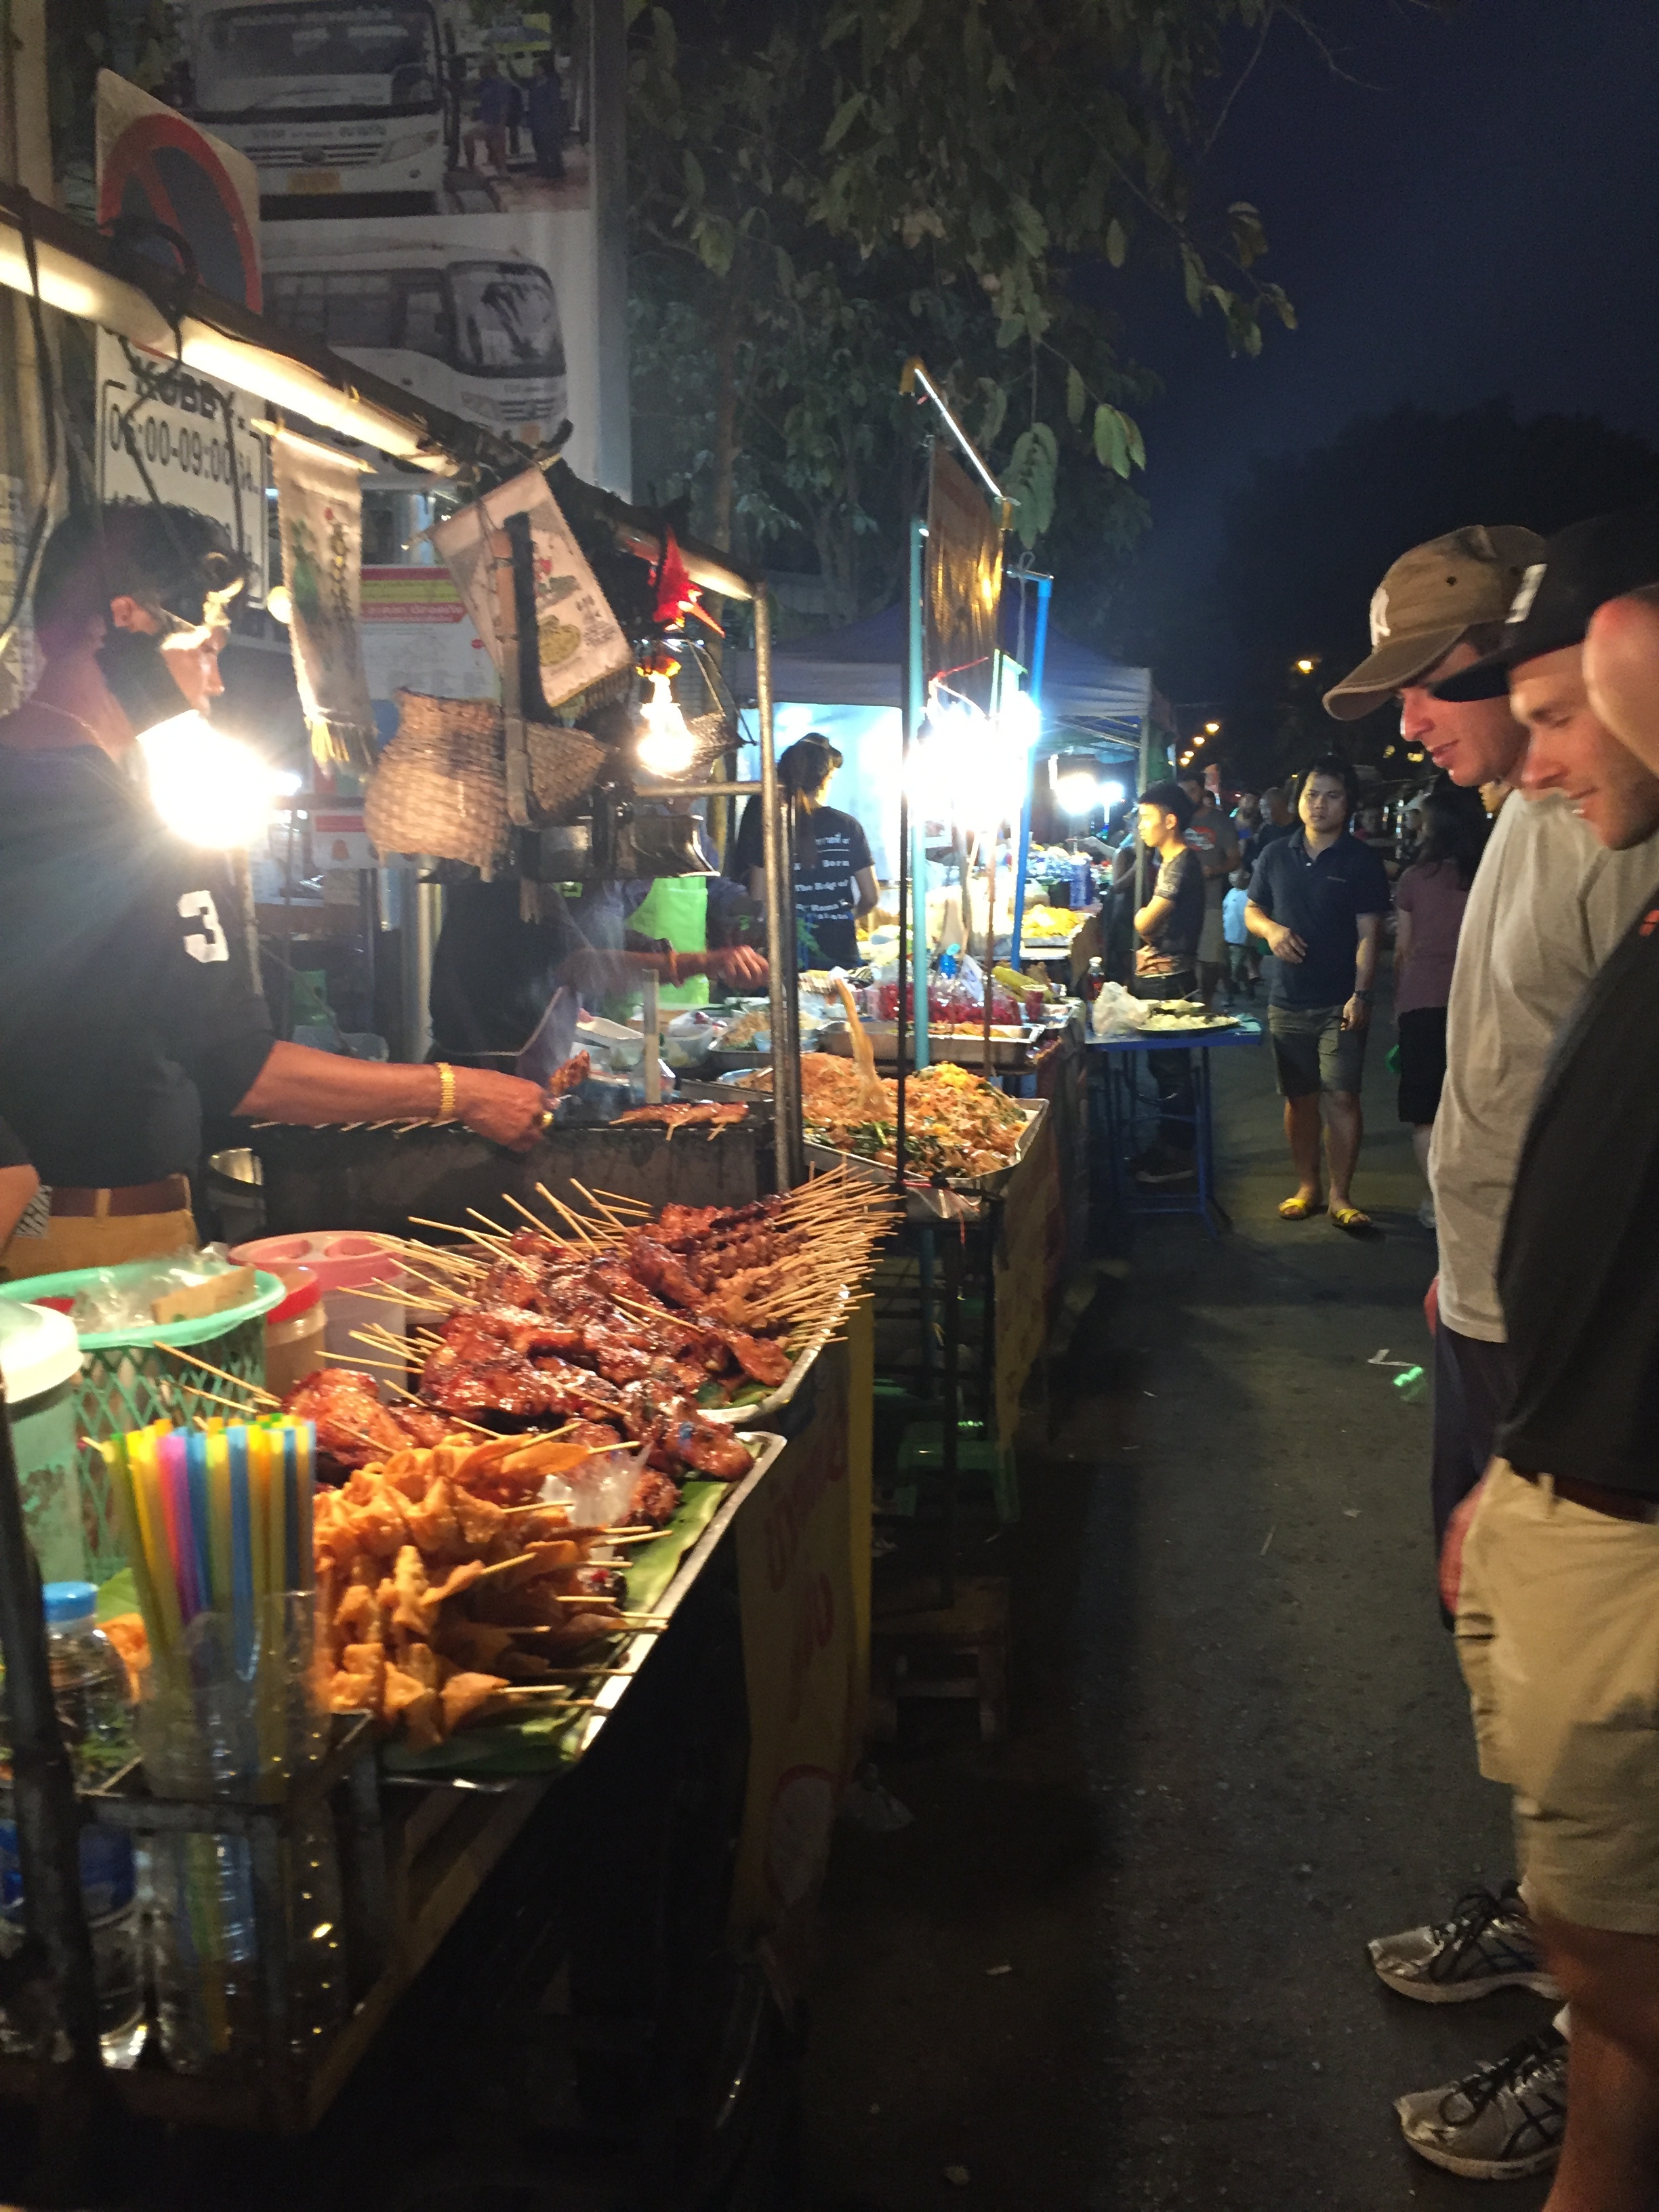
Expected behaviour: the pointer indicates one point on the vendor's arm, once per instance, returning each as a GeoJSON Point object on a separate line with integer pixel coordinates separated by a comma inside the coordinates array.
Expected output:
{"type": "Point", "coordinates": [1148, 918]}
{"type": "Point", "coordinates": [298, 1084]}
{"type": "Point", "coordinates": [596, 972]}
{"type": "Point", "coordinates": [869, 892]}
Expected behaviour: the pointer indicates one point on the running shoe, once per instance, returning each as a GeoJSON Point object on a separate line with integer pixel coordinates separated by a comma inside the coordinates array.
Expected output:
{"type": "Point", "coordinates": [1501, 2122]}
{"type": "Point", "coordinates": [1487, 1944]}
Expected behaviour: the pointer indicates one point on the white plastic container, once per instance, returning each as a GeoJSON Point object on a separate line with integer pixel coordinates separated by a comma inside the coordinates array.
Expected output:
{"type": "Point", "coordinates": [40, 1363]}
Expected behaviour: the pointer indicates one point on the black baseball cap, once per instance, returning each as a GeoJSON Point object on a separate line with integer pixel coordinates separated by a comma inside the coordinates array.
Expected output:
{"type": "Point", "coordinates": [1583, 566]}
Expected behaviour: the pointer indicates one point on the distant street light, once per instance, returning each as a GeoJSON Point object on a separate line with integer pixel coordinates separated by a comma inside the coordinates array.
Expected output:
{"type": "Point", "coordinates": [1213, 729]}
{"type": "Point", "coordinates": [1306, 666]}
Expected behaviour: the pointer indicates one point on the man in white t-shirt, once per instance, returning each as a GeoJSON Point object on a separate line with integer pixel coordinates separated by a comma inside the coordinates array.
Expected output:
{"type": "Point", "coordinates": [1549, 905]}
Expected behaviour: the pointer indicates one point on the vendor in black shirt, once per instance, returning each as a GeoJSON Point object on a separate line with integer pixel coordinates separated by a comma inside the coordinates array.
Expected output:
{"type": "Point", "coordinates": [1169, 926]}
{"type": "Point", "coordinates": [128, 1010]}
{"type": "Point", "coordinates": [1558, 1614]}
{"type": "Point", "coordinates": [834, 880]}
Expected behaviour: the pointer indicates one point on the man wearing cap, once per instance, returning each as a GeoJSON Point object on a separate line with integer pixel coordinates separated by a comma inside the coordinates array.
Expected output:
{"type": "Point", "coordinates": [1558, 1614]}
{"type": "Point", "coordinates": [1547, 907]}
{"type": "Point", "coordinates": [128, 1009]}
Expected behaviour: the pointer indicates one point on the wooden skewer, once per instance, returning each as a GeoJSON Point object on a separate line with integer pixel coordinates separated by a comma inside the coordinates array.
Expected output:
{"type": "Point", "coordinates": [392, 1366]}
{"type": "Point", "coordinates": [254, 1389]}
{"type": "Point", "coordinates": [502, 1235]}
{"type": "Point", "coordinates": [548, 1690]}
{"type": "Point", "coordinates": [544, 1228]}
{"type": "Point", "coordinates": [456, 1229]}
{"type": "Point", "coordinates": [406, 1299]}
{"type": "Point", "coordinates": [583, 1233]}
{"type": "Point", "coordinates": [214, 1397]}
{"type": "Point", "coordinates": [614, 1218]}
{"type": "Point", "coordinates": [636, 1205]}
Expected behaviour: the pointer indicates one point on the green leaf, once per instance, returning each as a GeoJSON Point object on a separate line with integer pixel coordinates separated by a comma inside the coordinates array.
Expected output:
{"type": "Point", "coordinates": [1111, 440]}
{"type": "Point", "coordinates": [845, 116]}
{"type": "Point", "coordinates": [1137, 444]}
{"type": "Point", "coordinates": [695, 184]}
{"type": "Point", "coordinates": [1028, 481]}
{"type": "Point", "coordinates": [1075, 398]}
{"type": "Point", "coordinates": [1117, 243]}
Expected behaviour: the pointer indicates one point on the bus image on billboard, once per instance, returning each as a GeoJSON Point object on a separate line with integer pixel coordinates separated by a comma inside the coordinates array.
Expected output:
{"type": "Point", "coordinates": [476, 333]}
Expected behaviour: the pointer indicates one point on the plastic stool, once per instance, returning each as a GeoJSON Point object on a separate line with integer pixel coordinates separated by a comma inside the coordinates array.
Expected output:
{"type": "Point", "coordinates": [922, 1453]}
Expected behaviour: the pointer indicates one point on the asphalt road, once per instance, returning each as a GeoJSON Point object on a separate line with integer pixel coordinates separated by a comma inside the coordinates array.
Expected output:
{"type": "Point", "coordinates": [1119, 1963]}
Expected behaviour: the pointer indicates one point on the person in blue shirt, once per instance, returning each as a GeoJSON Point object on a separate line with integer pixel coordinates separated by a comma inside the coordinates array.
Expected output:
{"type": "Point", "coordinates": [1317, 898]}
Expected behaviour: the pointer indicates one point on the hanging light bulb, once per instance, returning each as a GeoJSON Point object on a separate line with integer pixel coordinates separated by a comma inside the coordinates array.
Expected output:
{"type": "Point", "coordinates": [208, 788]}
{"type": "Point", "coordinates": [667, 746]}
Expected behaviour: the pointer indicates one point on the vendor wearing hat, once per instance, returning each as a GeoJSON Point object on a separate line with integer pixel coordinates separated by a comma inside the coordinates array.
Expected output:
{"type": "Point", "coordinates": [129, 1012]}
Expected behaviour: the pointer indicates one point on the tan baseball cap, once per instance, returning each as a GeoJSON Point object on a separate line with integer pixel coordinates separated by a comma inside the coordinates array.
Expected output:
{"type": "Point", "coordinates": [1427, 600]}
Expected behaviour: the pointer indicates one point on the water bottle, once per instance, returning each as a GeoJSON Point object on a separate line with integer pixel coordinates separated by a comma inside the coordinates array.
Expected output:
{"type": "Point", "coordinates": [95, 1713]}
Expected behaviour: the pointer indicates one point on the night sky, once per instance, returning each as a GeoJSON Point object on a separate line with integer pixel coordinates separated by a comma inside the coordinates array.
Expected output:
{"type": "Point", "coordinates": [1476, 216]}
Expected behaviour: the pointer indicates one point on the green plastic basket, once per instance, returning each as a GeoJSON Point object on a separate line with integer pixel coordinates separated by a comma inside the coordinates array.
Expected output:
{"type": "Point", "coordinates": [126, 1381]}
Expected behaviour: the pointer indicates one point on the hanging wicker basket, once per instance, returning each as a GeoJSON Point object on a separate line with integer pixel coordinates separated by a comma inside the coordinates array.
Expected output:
{"type": "Point", "coordinates": [440, 787]}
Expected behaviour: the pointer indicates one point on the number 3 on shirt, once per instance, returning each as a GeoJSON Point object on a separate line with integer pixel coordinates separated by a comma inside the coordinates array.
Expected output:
{"type": "Point", "coordinates": [206, 942]}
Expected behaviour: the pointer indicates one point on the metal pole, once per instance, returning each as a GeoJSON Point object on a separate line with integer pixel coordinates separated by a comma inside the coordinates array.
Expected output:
{"type": "Point", "coordinates": [1145, 772]}
{"type": "Point", "coordinates": [1039, 646]}
{"type": "Point", "coordinates": [607, 147]}
{"type": "Point", "coordinates": [914, 695]}
{"type": "Point", "coordinates": [780, 921]}
{"type": "Point", "coordinates": [48, 1840]}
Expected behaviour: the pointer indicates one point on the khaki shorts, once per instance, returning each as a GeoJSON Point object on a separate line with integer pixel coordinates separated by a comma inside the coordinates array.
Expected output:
{"type": "Point", "coordinates": [1558, 1631]}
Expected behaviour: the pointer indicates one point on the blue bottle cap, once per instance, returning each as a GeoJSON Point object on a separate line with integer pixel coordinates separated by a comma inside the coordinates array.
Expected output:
{"type": "Point", "coordinates": [66, 1603]}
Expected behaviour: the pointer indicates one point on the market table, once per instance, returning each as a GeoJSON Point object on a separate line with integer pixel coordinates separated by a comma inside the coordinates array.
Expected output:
{"type": "Point", "coordinates": [1115, 1109]}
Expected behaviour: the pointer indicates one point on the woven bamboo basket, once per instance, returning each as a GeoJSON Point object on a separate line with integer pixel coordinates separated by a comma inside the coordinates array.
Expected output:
{"type": "Point", "coordinates": [440, 787]}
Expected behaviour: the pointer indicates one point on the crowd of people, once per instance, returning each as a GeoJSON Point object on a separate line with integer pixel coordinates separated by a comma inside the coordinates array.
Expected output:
{"type": "Point", "coordinates": [1526, 984]}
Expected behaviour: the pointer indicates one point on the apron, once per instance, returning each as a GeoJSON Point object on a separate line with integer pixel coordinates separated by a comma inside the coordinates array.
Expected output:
{"type": "Point", "coordinates": [676, 908]}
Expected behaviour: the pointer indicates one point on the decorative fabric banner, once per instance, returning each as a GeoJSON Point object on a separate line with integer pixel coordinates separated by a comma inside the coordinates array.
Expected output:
{"type": "Point", "coordinates": [963, 583]}
{"type": "Point", "coordinates": [319, 505]}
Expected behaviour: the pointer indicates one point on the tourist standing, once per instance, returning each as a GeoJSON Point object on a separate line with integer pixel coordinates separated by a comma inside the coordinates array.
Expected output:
{"type": "Point", "coordinates": [1212, 837]}
{"type": "Point", "coordinates": [1318, 898]}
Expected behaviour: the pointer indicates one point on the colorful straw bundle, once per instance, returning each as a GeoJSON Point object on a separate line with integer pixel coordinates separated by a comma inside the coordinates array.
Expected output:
{"type": "Point", "coordinates": [215, 1522]}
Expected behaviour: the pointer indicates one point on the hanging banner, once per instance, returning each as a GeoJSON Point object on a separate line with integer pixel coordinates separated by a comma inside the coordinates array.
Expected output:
{"type": "Point", "coordinates": [963, 586]}
{"type": "Point", "coordinates": [803, 1578]}
{"type": "Point", "coordinates": [321, 509]}
{"type": "Point", "coordinates": [162, 431]}
{"type": "Point", "coordinates": [579, 642]}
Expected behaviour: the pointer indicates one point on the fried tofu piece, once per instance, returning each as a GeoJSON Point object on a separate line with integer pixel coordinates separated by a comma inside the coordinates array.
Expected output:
{"type": "Point", "coordinates": [465, 1694]}
{"type": "Point", "coordinates": [479, 1521]}
{"type": "Point", "coordinates": [410, 1585]}
{"type": "Point", "coordinates": [431, 1523]}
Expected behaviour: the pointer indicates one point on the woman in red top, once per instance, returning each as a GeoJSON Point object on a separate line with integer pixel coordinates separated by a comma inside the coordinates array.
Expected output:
{"type": "Point", "coordinates": [1428, 901]}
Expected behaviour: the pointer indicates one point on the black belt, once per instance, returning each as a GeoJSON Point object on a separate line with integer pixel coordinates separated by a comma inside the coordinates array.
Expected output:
{"type": "Point", "coordinates": [1617, 1504]}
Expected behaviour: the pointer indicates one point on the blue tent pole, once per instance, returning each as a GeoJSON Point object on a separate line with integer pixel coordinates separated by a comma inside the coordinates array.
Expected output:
{"type": "Point", "coordinates": [1039, 643]}
{"type": "Point", "coordinates": [913, 704]}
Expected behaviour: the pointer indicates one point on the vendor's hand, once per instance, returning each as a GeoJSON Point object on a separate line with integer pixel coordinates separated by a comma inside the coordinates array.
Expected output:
{"type": "Point", "coordinates": [504, 1108]}
{"type": "Point", "coordinates": [1285, 944]}
{"type": "Point", "coordinates": [738, 963]}
{"type": "Point", "coordinates": [1356, 1015]}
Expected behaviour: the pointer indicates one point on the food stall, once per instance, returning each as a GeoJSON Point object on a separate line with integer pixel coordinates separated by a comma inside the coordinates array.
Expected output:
{"type": "Point", "coordinates": [403, 1521]}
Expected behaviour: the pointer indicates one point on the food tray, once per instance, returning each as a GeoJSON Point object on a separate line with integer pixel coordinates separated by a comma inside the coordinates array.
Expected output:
{"type": "Point", "coordinates": [509, 1747]}
{"type": "Point", "coordinates": [964, 1051]}
{"type": "Point", "coordinates": [991, 1184]}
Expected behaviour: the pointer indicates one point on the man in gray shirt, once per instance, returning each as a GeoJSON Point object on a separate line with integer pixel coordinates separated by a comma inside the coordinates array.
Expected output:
{"type": "Point", "coordinates": [1549, 905]}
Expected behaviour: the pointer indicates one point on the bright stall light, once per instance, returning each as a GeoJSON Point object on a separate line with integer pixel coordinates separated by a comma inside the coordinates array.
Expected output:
{"type": "Point", "coordinates": [665, 747]}
{"type": "Point", "coordinates": [1077, 791]}
{"type": "Point", "coordinates": [208, 788]}
{"type": "Point", "coordinates": [1019, 719]}
{"type": "Point", "coordinates": [1113, 794]}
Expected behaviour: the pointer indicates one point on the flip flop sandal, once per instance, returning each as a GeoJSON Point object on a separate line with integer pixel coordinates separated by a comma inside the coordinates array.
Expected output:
{"type": "Point", "coordinates": [1299, 1209]}
{"type": "Point", "coordinates": [1350, 1217]}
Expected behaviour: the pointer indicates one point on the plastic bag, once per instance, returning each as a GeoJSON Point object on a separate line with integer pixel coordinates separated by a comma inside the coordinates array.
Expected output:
{"type": "Point", "coordinates": [1117, 1012]}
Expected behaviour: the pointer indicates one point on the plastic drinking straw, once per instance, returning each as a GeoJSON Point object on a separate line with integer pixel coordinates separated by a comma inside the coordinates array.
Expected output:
{"type": "Point", "coordinates": [293, 1569]}
{"type": "Point", "coordinates": [276, 1444]}
{"type": "Point", "coordinates": [147, 1493]}
{"type": "Point", "coordinates": [219, 1522]}
{"type": "Point", "coordinates": [241, 1548]}
{"type": "Point", "coordinates": [196, 1468]}
{"type": "Point", "coordinates": [308, 1490]}
{"type": "Point", "coordinates": [132, 1536]}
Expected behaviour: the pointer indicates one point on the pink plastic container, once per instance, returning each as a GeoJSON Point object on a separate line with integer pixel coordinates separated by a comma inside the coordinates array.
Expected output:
{"type": "Point", "coordinates": [355, 1270]}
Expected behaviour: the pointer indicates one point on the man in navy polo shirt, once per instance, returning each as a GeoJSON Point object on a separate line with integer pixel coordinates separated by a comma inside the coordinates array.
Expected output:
{"type": "Point", "coordinates": [1318, 897]}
